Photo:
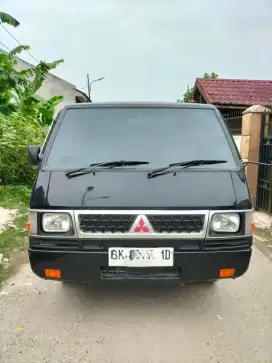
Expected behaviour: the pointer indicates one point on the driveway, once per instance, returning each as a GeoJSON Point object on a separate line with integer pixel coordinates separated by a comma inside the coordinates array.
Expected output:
{"type": "Point", "coordinates": [231, 321]}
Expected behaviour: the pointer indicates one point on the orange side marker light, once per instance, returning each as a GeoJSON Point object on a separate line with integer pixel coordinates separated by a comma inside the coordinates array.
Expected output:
{"type": "Point", "coordinates": [52, 274]}
{"type": "Point", "coordinates": [227, 272]}
{"type": "Point", "coordinates": [28, 226]}
{"type": "Point", "coordinates": [253, 226]}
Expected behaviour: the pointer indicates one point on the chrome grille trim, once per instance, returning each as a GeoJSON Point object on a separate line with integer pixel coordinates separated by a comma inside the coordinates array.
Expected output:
{"type": "Point", "coordinates": [203, 235]}
{"type": "Point", "coordinates": [152, 235]}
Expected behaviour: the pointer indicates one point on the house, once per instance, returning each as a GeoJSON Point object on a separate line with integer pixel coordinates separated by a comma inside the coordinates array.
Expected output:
{"type": "Point", "coordinates": [55, 86]}
{"type": "Point", "coordinates": [232, 97]}
{"type": "Point", "coordinates": [246, 106]}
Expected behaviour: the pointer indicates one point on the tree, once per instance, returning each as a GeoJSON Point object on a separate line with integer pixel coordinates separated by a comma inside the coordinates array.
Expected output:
{"type": "Point", "coordinates": [187, 97]}
{"type": "Point", "coordinates": [212, 75]}
{"type": "Point", "coordinates": [10, 80]}
{"type": "Point", "coordinates": [27, 100]}
{"type": "Point", "coordinates": [18, 89]}
{"type": "Point", "coordinates": [16, 133]}
{"type": "Point", "coordinates": [8, 19]}
{"type": "Point", "coordinates": [46, 110]}
{"type": "Point", "coordinates": [24, 115]}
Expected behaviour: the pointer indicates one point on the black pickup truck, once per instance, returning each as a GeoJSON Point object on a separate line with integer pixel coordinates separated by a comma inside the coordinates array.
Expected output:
{"type": "Point", "coordinates": [139, 191]}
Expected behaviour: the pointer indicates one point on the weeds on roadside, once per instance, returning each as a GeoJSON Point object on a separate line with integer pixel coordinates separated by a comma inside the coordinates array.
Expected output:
{"type": "Point", "coordinates": [14, 237]}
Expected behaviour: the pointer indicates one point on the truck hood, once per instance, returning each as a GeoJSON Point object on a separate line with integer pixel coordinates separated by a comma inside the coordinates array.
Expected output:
{"type": "Point", "coordinates": [132, 190]}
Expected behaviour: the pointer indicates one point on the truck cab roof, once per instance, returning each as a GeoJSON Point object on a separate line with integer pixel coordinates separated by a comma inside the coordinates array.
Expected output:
{"type": "Point", "coordinates": [140, 105]}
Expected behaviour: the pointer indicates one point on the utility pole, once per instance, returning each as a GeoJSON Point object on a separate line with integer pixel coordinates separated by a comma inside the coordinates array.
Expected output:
{"type": "Point", "coordinates": [90, 84]}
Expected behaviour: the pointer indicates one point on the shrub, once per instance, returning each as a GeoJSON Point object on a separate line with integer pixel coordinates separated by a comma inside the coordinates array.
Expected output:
{"type": "Point", "coordinates": [16, 133]}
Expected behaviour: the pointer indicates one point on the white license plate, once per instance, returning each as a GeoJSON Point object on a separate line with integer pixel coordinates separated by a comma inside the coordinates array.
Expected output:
{"type": "Point", "coordinates": [140, 257]}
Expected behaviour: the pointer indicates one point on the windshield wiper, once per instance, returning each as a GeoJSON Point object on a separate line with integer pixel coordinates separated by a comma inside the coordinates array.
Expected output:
{"type": "Point", "coordinates": [184, 165]}
{"type": "Point", "coordinates": [108, 164]}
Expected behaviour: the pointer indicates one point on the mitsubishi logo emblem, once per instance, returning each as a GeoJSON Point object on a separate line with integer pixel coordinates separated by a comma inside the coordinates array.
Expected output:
{"type": "Point", "coordinates": [141, 225]}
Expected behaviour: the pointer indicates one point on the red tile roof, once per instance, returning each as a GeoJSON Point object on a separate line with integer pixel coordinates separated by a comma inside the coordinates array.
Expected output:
{"type": "Point", "coordinates": [235, 91]}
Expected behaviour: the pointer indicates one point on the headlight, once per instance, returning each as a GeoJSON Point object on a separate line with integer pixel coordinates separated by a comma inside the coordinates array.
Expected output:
{"type": "Point", "coordinates": [56, 222]}
{"type": "Point", "coordinates": [225, 222]}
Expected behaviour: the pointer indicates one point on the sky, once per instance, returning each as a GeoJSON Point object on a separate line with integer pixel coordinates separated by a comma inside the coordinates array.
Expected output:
{"type": "Point", "coordinates": [147, 50]}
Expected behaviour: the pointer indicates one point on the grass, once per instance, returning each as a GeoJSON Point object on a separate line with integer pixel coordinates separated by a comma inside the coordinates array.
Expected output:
{"type": "Point", "coordinates": [13, 239]}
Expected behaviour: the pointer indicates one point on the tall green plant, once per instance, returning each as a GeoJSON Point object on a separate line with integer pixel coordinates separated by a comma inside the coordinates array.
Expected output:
{"type": "Point", "coordinates": [8, 19]}
{"type": "Point", "coordinates": [19, 89]}
{"type": "Point", "coordinates": [16, 133]}
{"type": "Point", "coordinates": [11, 81]}
{"type": "Point", "coordinates": [28, 102]}
{"type": "Point", "coordinates": [47, 109]}
{"type": "Point", "coordinates": [23, 114]}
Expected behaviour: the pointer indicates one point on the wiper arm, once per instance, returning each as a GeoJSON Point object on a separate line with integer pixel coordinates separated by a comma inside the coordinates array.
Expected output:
{"type": "Point", "coordinates": [108, 164]}
{"type": "Point", "coordinates": [184, 165]}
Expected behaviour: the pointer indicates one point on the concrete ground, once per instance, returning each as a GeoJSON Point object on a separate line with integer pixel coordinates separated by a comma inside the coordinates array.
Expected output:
{"type": "Point", "coordinates": [263, 232]}
{"type": "Point", "coordinates": [230, 321]}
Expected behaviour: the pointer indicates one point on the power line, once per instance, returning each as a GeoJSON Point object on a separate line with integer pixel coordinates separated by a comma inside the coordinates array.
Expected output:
{"type": "Point", "coordinates": [5, 46]}
{"type": "Point", "coordinates": [32, 56]}
{"type": "Point", "coordinates": [51, 80]}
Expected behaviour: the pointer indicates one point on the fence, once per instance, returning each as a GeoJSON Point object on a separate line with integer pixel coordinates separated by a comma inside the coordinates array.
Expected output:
{"type": "Point", "coordinates": [264, 188]}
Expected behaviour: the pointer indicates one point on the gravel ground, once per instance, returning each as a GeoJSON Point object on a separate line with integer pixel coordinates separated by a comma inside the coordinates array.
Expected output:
{"type": "Point", "coordinates": [230, 321]}
{"type": "Point", "coordinates": [6, 217]}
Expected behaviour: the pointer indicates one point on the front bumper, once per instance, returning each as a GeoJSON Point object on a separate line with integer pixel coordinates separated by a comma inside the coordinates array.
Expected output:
{"type": "Point", "coordinates": [91, 266]}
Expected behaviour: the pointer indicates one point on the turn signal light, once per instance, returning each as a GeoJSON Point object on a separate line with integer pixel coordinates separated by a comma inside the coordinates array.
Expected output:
{"type": "Point", "coordinates": [52, 274]}
{"type": "Point", "coordinates": [28, 226]}
{"type": "Point", "coordinates": [253, 226]}
{"type": "Point", "coordinates": [227, 272]}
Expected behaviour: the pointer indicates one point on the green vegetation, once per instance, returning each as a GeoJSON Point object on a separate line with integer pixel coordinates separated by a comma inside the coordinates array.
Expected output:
{"type": "Point", "coordinates": [24, 114]}
{"type": "Point", "coordinates": [16, 133]}
{"type": "Point", "coordinates": [24, 118]}
{"type": "Point", "coordinates": [187, 97]}
{"type": "Point", "coordinates": [19, 89]}
{"type": "Point", "coordinates": [8, 19]}
{"type": "Point", "coordinates": [14, 237]}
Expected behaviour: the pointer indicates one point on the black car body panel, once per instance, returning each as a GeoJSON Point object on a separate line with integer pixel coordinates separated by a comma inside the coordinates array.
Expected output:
{"type": "Point", "coordinates": [116, 189]}
{"type": "Point", "coordinates": [241, 190]}
{"type": "Point", "coordinates": [123, 189]}
{"type": "Point", "coordinates": [38, 198]}
{"type": "Point", "coordinates": [92, 267]}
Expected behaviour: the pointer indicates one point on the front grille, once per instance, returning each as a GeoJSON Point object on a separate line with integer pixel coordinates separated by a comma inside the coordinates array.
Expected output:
{"type": "Point", "coordinates": [104, 223]}
{"type": "Point", "coordinates": [122, 223]}
{"type": "Point", "coordinates": [185, 223]}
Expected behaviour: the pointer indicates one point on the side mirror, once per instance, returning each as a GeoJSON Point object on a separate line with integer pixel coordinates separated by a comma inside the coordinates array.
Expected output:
{"type": "Point", "coordinates": [33, 154]}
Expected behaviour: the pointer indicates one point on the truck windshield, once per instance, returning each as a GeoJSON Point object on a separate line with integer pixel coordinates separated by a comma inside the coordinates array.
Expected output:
{"type": "Point", "coordinates": [160, 136]}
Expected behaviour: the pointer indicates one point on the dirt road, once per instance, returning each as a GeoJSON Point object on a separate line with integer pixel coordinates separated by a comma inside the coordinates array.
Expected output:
{"type": "Point", "coordinates": [43, 321]}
